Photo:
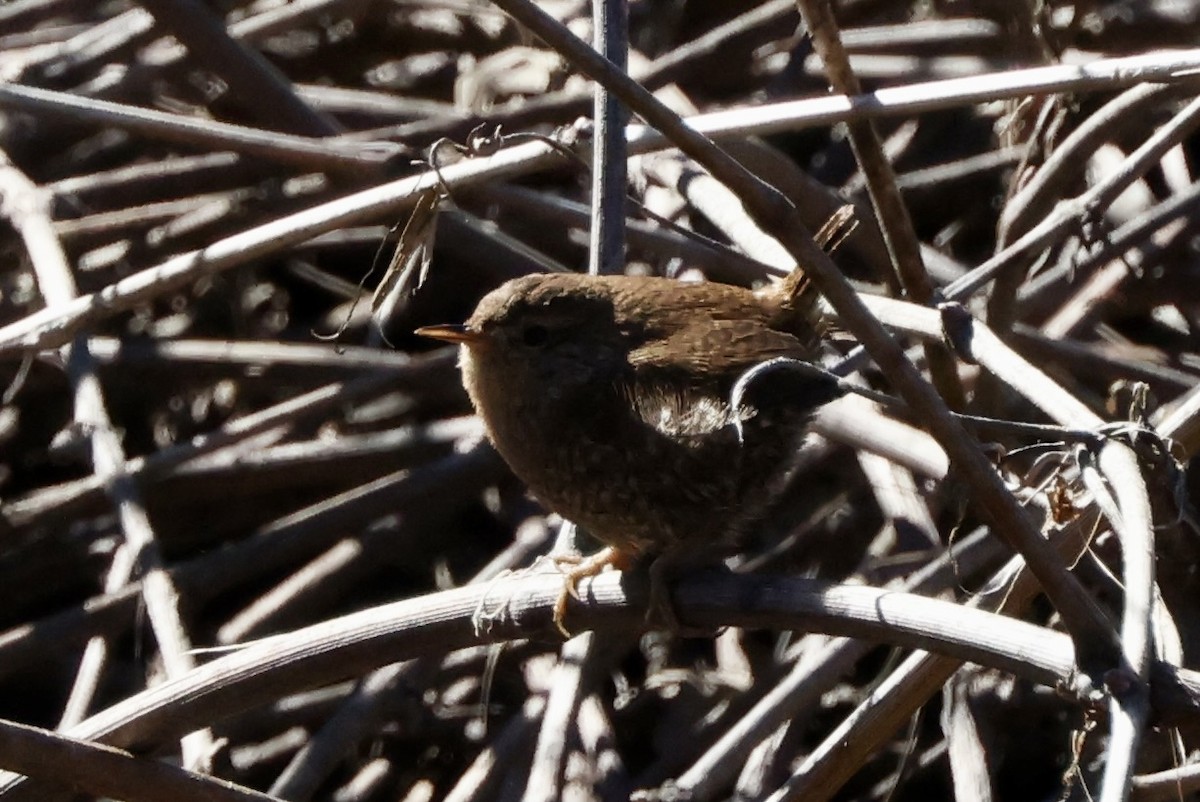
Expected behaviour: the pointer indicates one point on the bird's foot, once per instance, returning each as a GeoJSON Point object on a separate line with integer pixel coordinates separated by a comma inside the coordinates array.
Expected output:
{"type": "Point", "coordinates": [575, 567]}
{"type": "Point", "coordinates": [661, 612]}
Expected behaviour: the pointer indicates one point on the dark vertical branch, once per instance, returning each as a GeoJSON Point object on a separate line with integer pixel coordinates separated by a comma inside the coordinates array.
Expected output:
{"type": "Point", "coordinates": [607, 248]}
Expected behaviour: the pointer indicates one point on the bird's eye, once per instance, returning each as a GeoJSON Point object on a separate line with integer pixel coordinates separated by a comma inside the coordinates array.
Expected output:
{"type": "Point", "coordinates": [534, 335]}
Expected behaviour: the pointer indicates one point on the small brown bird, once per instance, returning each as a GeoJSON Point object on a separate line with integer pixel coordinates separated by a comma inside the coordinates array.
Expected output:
{"type": "Point", "coordinates": [617, 400]}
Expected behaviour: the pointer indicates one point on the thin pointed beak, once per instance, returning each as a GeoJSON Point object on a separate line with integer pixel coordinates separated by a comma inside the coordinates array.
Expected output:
{"type": "Point", "coordinates": [451, 333]}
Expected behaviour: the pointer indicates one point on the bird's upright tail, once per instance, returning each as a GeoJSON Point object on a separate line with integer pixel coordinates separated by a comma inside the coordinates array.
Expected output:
{"type": "Point", "coordinates": [801, 296]}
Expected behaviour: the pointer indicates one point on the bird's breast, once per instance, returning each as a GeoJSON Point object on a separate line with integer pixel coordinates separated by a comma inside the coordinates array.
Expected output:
{"type": "Point", "coordinates": [641, 467]}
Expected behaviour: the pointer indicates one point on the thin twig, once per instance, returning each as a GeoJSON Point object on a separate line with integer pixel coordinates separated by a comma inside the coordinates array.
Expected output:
{"type": "Point", "coordinates": [261, 89]}
{"type": "Point", "coordinates": [104, 771]}
{"type": "Point", "coordinates": [284, 148]}
{"type": "Point", "coordinates": [890, 210]}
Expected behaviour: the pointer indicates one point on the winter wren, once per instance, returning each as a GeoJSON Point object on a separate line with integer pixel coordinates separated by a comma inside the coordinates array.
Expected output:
{"type": "Point", "coordinates": [613, 398]}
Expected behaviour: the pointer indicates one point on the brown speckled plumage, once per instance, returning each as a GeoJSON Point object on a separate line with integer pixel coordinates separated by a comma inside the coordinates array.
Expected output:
{"type": "Point", "coordinates": [610, 397]}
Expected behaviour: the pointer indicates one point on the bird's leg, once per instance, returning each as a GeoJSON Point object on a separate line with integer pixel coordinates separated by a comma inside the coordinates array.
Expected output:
{"type": "Point", "coordinates": [580, 568]}
{"type": "Point", "coordinates": [661, 611]}
{"type": "Point", "coordinates": [677, 560]}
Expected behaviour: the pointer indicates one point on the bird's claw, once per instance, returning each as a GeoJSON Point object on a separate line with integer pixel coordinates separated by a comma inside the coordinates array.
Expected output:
{"type": "Point", "coordinates": [580, 568]}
